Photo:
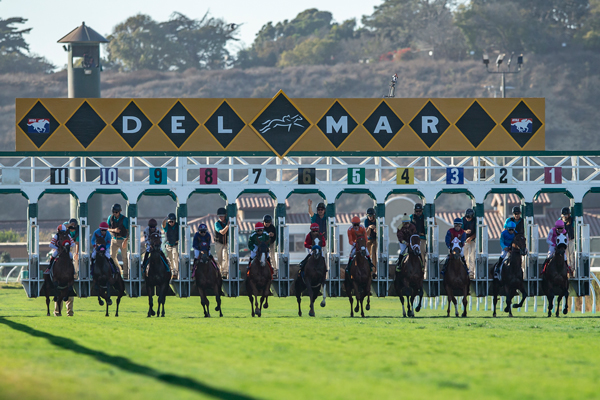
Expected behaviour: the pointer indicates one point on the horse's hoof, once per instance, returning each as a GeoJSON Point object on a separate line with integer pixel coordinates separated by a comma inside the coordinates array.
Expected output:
{"type": "Point", "coordinates": [494, 315]}
{"type": "Point", "coordinates": [311, 313]}
{"type": "Point", "coordinates": [266, 305]}
{"type": "Point", "coordinates": [515, 306]}
{"type": "Point", "coordinates": [149, 315]}
{"type": "Point", "coordinates": [109, 302]}
{"type": "Point", "coordinates": [456, 315]}
{"type": "Point", "coordinates": [299, 313]}
{"type": "Point", "coordinates": [323, 303]}
{"type": "Point", "coordinates": [163, 315]}
{"type": "Point", "coordinates": [217, 308]}
{"type": "Point", "coordinates": [464, 315]}
{"type": "Point", "coordinates": [362, 314]}
{"type": "Point", "coordinates": [565, 311]}
{"type": "Point", "coordinates": [418, 309]}
{"type": "Point", "coordinates": [152, 312]}
{"type": "Point", "coordinates": [368, 307]}
{"type": "Point", "coordinates": [356, 308]}
{"type": "Point", "coordinates": [558, 314]}
{"type": "Point", "coordinates": [101, 302]}
{"type": "Point", "coordinates": [549, 314]}
{"type": "Point", "coordinates": [506, 309]}
{"type": "Point", "coordinates": [220, 314]}
{"type": "Point", "coordinates": [47, 315]}
{"type": "Point", "coordinates": [404, 314]}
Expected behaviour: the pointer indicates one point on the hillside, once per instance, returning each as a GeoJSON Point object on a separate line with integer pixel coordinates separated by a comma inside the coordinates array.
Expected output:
{"type": "Point", "coordinates": [569, 81]}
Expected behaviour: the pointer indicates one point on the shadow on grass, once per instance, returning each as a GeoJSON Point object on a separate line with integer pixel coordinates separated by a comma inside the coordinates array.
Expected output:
{"type": "Point", "coordinates": [125, 364]}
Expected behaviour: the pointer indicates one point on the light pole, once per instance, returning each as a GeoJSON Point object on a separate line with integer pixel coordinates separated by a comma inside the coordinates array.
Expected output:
{"type": "Point", "coordinates": [499, 60]}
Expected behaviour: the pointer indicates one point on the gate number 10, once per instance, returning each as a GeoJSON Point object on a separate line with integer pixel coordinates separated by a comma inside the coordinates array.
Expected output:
{"type": "Point", "coordinates": [109, 176]}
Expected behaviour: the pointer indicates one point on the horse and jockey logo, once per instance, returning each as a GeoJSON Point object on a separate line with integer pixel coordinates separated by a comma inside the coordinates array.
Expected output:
{"type": "Point", "coordinates": [286, 121]}
{"type": "Point", "coordinates": [521, 125]}
{"type": "Point", "coordinates": [38, 125]}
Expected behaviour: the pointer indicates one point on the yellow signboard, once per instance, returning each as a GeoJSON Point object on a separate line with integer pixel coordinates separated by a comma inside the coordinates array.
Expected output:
{"type": "Point", "coordinates": [279, 125]}
{"type": "Point", "coordinates": [405, 176]}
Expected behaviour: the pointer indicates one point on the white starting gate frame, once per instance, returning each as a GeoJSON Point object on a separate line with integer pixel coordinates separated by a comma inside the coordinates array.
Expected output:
{"type": "Point", "coordinates": [528, 174]}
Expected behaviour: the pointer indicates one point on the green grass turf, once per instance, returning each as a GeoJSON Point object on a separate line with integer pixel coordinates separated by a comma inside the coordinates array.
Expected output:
{"type": "Point", "coordinates": [283, 356]}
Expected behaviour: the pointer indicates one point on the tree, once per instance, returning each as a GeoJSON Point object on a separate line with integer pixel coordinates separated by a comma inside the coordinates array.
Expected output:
{"type": "Point", "coordinates": [590, 32]}
{"type": "Point", "coordinates": [13, 49]}
{"type": "Point", "coordinates": [177, 44]}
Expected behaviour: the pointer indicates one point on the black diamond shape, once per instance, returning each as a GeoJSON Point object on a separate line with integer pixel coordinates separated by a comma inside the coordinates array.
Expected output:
{"type": "Point", "coordinates": [280, 124]}
{"type": "Point", "coordinates": [383, 124]}
{"type": "Point", "coordinates": [180, 129]}
{"type": "Point", "coordinates": [224, 124]}
{"type": "Point", "coordinates": [85, 124]}
{"type": "Point", "coordinates": [337, 124]}
{"type": "Point", "coordinates": [475, 124]}
{"type": "Point", "coordinates": [132, 124]}
{"type": "Point", "coordinates": [429, 114]}
{"type": "Point", "coordinates": [38, 112]}
{"type": "Point", "coordinates": [522, 111]}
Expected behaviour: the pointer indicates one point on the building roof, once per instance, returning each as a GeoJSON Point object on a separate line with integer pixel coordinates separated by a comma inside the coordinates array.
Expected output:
{"type": "Point", "coordinates": [83, 34]}
{"type": "Point", "coordinates": [258, 202]}
{"type": "Point", "coordinates": [514, 199]}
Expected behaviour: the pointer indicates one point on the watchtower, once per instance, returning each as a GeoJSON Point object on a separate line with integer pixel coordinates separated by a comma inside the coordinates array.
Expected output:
{"type": "Point", "coordinates": [83, 46]}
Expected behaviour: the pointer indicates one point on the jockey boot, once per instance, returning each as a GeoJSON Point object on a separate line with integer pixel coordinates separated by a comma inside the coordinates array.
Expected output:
{"type": "Point", "coordinates": [146, 254]}
{"type": "Point", "coordinates": [303, 264]}
{"type": "Point", "coordinates": [399, 263]}
{"type": "Point", "coordinates": [50, 265]}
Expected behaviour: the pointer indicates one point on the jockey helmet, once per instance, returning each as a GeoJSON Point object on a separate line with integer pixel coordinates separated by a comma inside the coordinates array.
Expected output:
{"type": "Point", "coordinates": [152, 223]}
{"type": "Point", "coordinates": [516, 210]}
{"type": "Point", "coordinates": [221, 211]}
{"type": "Point", "coordinates": [267, 218]}
{"type": "Point", "coordinates": [457, 221]}
{"type": "Point", "coordinates": [202, 228]}
{"type": "Point", "coordinates": [418, 207]}
{"type": "Point", "coordinates": [469, 213]}
{"type": "Point", "coordinates": [370, 211]}
{"type": "Point", "coordinates": [405, 218]}
{"type": "Point", "coordinates": [314, 227]}
{"type": "Point", "coordinates": [116, 207]}
{"type": "Point", "coordinates": [511, 225]}
{"type": "Point", "coordinates": [565, 211]}
{"type": "Point", "coordinates": [320, 206]}
{"type": "Point", "coordinates": [61, 227]}
{"type": "Point", "coordinates": [259, 226]}
{"type": "Point", "coordinates": [103, 226]}
{"type": "Point", "coordinates": [73, 221]}
{"type": "Point", "coordinates": [559, 224]}
{"type": "Point", "coordinates": [355, 221]}
{"type": "Point", "coordinates": [172, 217]}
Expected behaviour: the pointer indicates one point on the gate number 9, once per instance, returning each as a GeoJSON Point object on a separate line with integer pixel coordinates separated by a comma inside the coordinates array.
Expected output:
{"type": "Point", "coordinates": [158, 176]}
{"type": "Point", "coordinates": [455, 176]}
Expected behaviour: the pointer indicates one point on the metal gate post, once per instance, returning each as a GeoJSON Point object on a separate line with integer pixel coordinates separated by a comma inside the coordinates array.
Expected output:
{"type": "Point", "coordinates": [135, 273]}
{"type": "Point", "coordinates": [183, 282]}
{"type": "Point", "coordinates": [33, 283]}
{"type": "Point", "coordinates": [283, 252]}
{"type": "Point", "coordinates": [84, 278]}
{"type": "Point", "coordinates": [335, 289]}
{"type": "Point", "coordinates": [383, 275]}
{"type": "Point", "coordinates": [234, 266]}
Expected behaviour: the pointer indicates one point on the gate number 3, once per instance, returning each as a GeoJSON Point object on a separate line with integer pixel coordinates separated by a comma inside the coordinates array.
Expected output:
{"type": "Point", "coordinates": [455, 176]}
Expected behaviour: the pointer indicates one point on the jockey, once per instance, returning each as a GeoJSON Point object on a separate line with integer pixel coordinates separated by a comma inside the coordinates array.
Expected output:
{"type": "Point", "coordinates": [150, 230]}
{"type": "Point", "coordinates": [256, 238]}
{"type": "Point", "coordinates": [456, 232]}
{"type": "Point", "coordinates": [54, 246]}
{"type": "Point", "coordinates": [519, 222]}
{"type": "Point", "coordinates": [353, 233]}
{"type": "Point", "coordinates": [506, 238]}
{"type": "Point", "coordinates": [314, 236]}
{"type": "Point", "coordinates": [202, 241]}
{"type": "Point", "coordinates": [406, 230]}
{"type": "Point", "coordinates": [101, 235]}
{"type": "Point", "coordinates": [559, 228]}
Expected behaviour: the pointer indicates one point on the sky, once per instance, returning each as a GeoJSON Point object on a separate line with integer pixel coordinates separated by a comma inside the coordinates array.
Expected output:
{"type": "Point", "coordinates": [53, 19]}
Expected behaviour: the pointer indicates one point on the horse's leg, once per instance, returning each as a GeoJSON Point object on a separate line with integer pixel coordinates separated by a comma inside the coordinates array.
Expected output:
{"type": "Point", "coordinates": [311, 312]}
{"type": "Point", "coordinates": [324, 286]}
{"type": "Point", "coordinates": [558, 299]}
{"type": "Point", "coordinates": [150, 301]}
{"type": "Point", "coordinates": [360, 300]}
{"type": "Point", "coordinates": [450, 297]}
{"type": "Point", "coordinates": [218, 299]}
{"type": "Point", "coordinates": [202, 300]}
{"type": "Point", "coordinates": [523, 295]}
{"type": "Point", "coordinates": [299, 286]}
{"type": "Point", "coordinates": [106, 315]}
{"type": "Point", "coordinates": [357, 295]}
{"type": "Point", "coordinates": [251, 303]}
{"type": "Point", "coordinates": [509, 297]}
{"type": "Point", "coordinates": [121, 292]}
{"type": "Point", "coordinates": [262, 299]}
{"type": "Point", "coordinates": [465, 301]}
{"type": "Point", "coordinates": [550, 297]}
{"type": "Point", "coordinates": [108, 288]}
{"type": "Point", "coordinates": [495, 290]}
{"type": "Point", "coordinates": [402, 301]}
{"type": "Point", "coordinates": [350, 299]}
{"type": "Point", "coordinates": [207, 305]}
{"type": "Point", "coordinates": [420, 293]}
{"type": "Point", "coordinates": [368, 307]}
{"type": "Point", "coordinates": [255, 290]}
{"type": "Point", "coordinates": [566, 309]}
{"type": "Point", "coordinates": [163, 297]}
{"type": "Point", "coordinates": [47, 301]}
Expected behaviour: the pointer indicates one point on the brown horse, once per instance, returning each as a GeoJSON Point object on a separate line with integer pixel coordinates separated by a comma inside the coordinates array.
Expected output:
{"type": "Point", "coordinates": [313, 279]}
{"type": "Point", "coordinates": [258, 282]}
{"type": "Point", "coordinates": [409, 281]}
{"type": "Point", "coordinates": [61, 282]}
{"type": "Point", "coordinates": [360, 278]}
{"type": "Point", "coordinates": [512, 276]}
{"type": "Point", "coordinates": [555, 280]}
{"type": "Point", "coordinates": [104, 280]}
{"type": "Point", "coordinates": [208, 277]}
{"type": "Point", "coordinates": [157, 275]}
{"type": "Point", "coordinates": [456, 278]}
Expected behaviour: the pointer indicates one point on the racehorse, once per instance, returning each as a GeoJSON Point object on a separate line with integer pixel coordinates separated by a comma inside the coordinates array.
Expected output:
{"type": "Point", "coordinates": [512, 276]}
{"type": "Point", "coordinates": [104, 279]}
{"type": "Point", "coordinates": [61, 281]}
{"type": "Point", "coordinates": [157, 275]}
{"type": "Point", "coordinates": [360, 278]}
{"type": "Point", "coordinates": [208, 276]}
{"type": "Point", "coordinates": [313, 278]}
{"type": "Point", "coordinates": [554, 277]}
{"type": "Point", "coordinates": [258, 281]}
{"type": "Point", "coordinates": [456, 277]}
{"type": "Point", "coordinates": [409, 281]}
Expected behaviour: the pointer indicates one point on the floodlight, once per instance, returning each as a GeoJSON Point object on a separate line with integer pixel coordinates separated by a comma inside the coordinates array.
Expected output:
{"type": "Point", "coordinates": [499, 60]}
{"type": "Point", "coordinates": [486, 59]}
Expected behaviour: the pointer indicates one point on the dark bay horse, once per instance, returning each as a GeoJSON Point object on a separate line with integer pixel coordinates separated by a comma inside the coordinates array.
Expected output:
{"type": "Point", "coordinates": [409, 281]}
{"type": "Point", "coordinates": [512, 276]}
{"type": "Point", "coordinates": [208, 277]}
{"type": "Point", "coordinates": [60, 283]}
{"type": "Point", "coordinates": [555, 280]}
{"type": "Point", "coordinates": [104, 280]}
{"type": "Point", "coordinates": [456, 278]}
{"type": "Point", "coordinates": [258, 281]}
{"type": "Point", "coordinates": [157, 275]}
{"type": "Point", "coordinates": [312, 279]}
{"type": "Point", "coordinates": [360, 278]}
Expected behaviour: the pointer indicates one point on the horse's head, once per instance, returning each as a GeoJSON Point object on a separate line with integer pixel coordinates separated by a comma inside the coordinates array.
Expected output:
{"type": "Point", "coordinates": [519, 242]}
{"type": "Point", "coordinates": [155, 241]}
{"type": "Point", "coordinates": [415, 244]}
{"type": "Point", "coordinates": [361, 245]}
{"type": "Point", "coordinates": [101, 249]}
{"type": "Point", "coordinates": [64, 241]}
{"type": "Point", "coordinates": [561, 244]}
{"type": "Point", "coordinates": [316, 251]}
{"type": "Point", "coordinates": [204, 256]}
{"type": "Point", "coordinates": [455, 248]}
{"type": "Point", "coordinates": [261, 253]}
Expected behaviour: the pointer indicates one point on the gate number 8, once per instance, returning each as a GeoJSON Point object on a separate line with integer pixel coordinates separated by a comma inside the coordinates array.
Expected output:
{"type": "Point", "coordinates": [455, 176]}
{"type": "Point", "coordinates": [209, 176]}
